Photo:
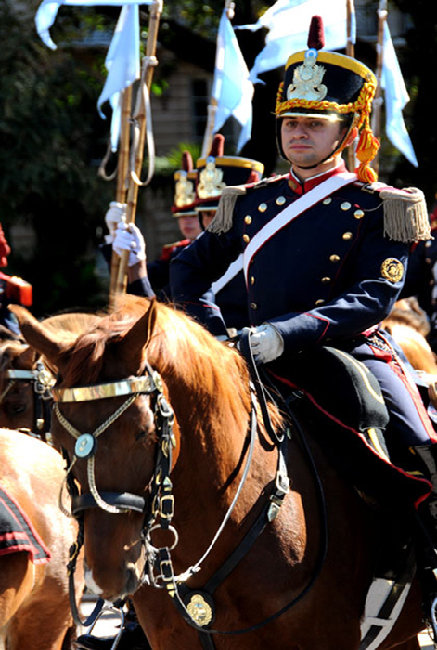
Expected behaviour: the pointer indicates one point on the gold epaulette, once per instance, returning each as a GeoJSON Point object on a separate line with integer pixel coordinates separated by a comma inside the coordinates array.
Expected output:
{"type": "Point", "coordinates": [405, 213]}
{"type": "Point", "coordinates": [222, 221]}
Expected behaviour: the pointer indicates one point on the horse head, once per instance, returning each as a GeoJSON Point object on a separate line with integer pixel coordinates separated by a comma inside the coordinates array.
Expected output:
{"type": "Point", "coordinates": [105, 372]}
{"type": "Point", "coordinates": [18, 376]}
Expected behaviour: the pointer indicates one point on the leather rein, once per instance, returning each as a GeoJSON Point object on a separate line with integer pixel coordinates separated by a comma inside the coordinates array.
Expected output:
{"type": "Point", "coordinates": [196, 607]}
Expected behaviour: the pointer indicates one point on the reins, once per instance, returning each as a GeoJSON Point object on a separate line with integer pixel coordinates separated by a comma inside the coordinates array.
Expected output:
{"type": "Point", "coordinates": [197, 606]}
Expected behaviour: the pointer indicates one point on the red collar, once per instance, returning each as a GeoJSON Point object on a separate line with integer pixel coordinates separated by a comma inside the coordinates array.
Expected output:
{"type": "Point", "coordinates": [302, 187]}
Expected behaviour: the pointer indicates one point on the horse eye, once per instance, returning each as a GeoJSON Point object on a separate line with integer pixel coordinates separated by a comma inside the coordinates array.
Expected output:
{"type": "Point", "coordinates": [16, 409]}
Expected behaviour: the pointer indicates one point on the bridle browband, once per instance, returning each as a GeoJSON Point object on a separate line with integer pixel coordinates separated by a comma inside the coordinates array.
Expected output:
{"type": "Point", "coordinates": [196, 607]}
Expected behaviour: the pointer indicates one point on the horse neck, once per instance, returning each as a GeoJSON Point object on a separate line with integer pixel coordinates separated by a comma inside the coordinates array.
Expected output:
{"type": "Point", "coordinates": [212, 412]}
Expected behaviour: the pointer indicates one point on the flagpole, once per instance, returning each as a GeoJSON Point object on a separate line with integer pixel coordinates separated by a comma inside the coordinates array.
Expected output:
{"type": "Point", "coordinates": [212, 108]}
{"type": "Point", "coordinates": [122, 177]}
{"type": "Point", "coordinates": [350, 51]}
{"type": "Point", "coordinates": [377, 102]}
{"type": "Point", "coordinates": [141, 132]}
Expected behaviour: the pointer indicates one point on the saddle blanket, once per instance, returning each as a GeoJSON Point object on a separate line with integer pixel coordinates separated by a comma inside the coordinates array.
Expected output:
{"type": "Point", "coordinates": [17, 533]}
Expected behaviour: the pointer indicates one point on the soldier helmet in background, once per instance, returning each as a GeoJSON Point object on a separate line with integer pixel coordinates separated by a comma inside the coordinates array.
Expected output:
{"type": "Point", "coordinates": [185, 181]}
{"type": "Point", "coordinates": [217, 171]}
{"type": "Point", "coordinates": [332, 86]}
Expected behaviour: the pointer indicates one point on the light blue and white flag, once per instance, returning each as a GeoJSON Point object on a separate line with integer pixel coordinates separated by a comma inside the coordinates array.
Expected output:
{"type": "Point", "coordinates": [232, 88]}
{"type": "Point", "coordinates": [123, 65]}
{"type": "Point", "coordinates": [396, 97]}
{"type": "Point", "coordinates": [123, 59]}
{"type": "Point", "coordinates": [48, 10]}
{"type": "Point", "coordinates": [288, 22]}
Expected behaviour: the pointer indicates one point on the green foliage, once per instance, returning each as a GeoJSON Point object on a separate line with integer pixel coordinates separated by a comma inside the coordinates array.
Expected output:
{"type": "Point", "coordinates": [173, 161]}
{"type": "Point", "coordinates": [51, 134]}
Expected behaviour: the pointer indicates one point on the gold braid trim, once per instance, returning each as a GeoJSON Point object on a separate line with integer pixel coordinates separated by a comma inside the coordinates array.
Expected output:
{"type": "Point", "coordinates": [361, 104]}
{"type": "Point", "coordinates": [368, 145]}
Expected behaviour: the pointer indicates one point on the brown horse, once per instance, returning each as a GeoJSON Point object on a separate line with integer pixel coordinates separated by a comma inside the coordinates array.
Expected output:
{"type": "Point", "coordinates": [34, 597]}
{"type": "Point", "coordinates": [409, 326]}
{"type": "Point", "coordinates": [179, 501]}
{"type": "Point", "coordinates": [25, 401]}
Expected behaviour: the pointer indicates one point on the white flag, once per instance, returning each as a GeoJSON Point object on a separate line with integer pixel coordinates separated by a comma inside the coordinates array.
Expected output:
{"type": "Point", "coordinates": [396, 97]}
{"type": "Point", "coordinates": [288, 22]}
{"type": "Point", "coordinates": [123, 65]}
{"type": "Point", "coordinates": [48, 9]}
{"type": "Point", "coordinates": [232, 89]}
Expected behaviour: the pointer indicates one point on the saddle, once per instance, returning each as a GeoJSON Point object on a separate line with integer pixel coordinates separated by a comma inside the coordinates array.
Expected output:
{"type": "Point", "coordinates": [17, 532]}
{"type": "Point", "coordinates": [342, 400]}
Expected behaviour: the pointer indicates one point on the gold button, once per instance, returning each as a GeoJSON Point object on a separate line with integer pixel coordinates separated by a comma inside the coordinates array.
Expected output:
{"type": "Point", "coordinates": [280, 200]}
{"type": "Point", "coordinates": [246, 238]}
{"type": "Point", "coordinates": [253, 305]}
{"type": "Point", "coordinates": [347, 236]}
{"type": "Point", "coordinates": [262, 207]}
{"type": "Point", "coordinates": [334, 258]}
{"type": "Point", "coordinates": [327, 201]}
{"type": "Point", "coordinates": [248, 219]}
{"type": "Point", "coordinates": [326, 279]}
{"type": "Point", "coordinates": [358, 214]}
{"type": "Point", "coordinates": [319, 302]}
{"type": "Point", "coordinates": [346, 205]}
{"type": "Point", "coordinates": [252, 280]}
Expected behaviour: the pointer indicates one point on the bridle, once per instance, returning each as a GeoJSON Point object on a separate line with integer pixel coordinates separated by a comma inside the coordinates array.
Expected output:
{"type": "Point", "coordinates": [42, 382]}
{"type": "Point", "coordinates": [196, 607]}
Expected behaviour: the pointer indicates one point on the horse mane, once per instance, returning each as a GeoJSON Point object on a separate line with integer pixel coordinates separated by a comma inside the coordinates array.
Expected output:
{"type": "Point", "coordinates": [182, 351]}
{"type": "Point", "coordinates": [9, 351]}
{"type": "Point", "coordinates": [68, 325]}
{"type": "Point", "coordinates": [408, 312]}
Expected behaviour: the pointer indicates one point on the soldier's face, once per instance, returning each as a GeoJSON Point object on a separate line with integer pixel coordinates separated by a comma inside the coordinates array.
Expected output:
{"type": "Point", "coordinates": [189, 226]}
{"type": "Point", "coordinates": [306, 141]}
{"type": "Point", "coordinates": [206, 217]}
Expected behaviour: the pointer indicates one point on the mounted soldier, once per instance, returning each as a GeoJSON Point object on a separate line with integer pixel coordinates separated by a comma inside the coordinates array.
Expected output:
{"type": "Point", "coordinates": [215, 172]}
{"type": "Point", "coordinates": [325, 251]}
{"type": "Point", "coordinates": [153, 278]}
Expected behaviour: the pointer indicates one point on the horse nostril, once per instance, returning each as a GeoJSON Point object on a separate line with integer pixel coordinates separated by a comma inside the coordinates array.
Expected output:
{"type": "Point", "coordinates": [132, 579]}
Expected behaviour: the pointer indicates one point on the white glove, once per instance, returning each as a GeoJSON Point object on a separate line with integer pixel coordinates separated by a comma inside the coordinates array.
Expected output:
{"type": "Point", "coordinates": [128, 237]}
{"type": "Point", "coordinates": [266, 343]}
{"type": "Point", "coordinates": [113, 217]}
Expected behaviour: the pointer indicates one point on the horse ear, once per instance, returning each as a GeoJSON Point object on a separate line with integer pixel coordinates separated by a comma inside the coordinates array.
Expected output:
{"type": "Point", "coordinates": [36, 335]}
{"type": "Point", "coordinates": [137, 337]}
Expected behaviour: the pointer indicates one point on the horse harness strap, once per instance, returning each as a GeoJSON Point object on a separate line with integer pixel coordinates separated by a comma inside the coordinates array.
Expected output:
{"type": "Point", "coordinates": [85, 448]}
{"type": "Point", "coordinates": [42, 382]}
{"type": "Point", "coordinates": [195, 607]}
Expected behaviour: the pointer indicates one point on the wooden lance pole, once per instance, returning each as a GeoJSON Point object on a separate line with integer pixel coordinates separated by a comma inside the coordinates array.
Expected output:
{"type": "Point", "coordinates": [350, 51]}
{"type": "Point", "coordinates": [377, 102]}
{"type": "Point", "coordinates": [141, 129]}
{"type": "Point", "coordinates": [122, 177]}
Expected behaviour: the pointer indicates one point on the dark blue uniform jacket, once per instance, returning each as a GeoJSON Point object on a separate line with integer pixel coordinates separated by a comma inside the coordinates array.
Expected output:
{"type": "Point", "coordinates": [324, 277]}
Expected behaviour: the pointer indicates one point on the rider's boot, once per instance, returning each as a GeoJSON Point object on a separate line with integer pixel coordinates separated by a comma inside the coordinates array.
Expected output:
{"type": "Point", "coordinates": [428, 456]}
